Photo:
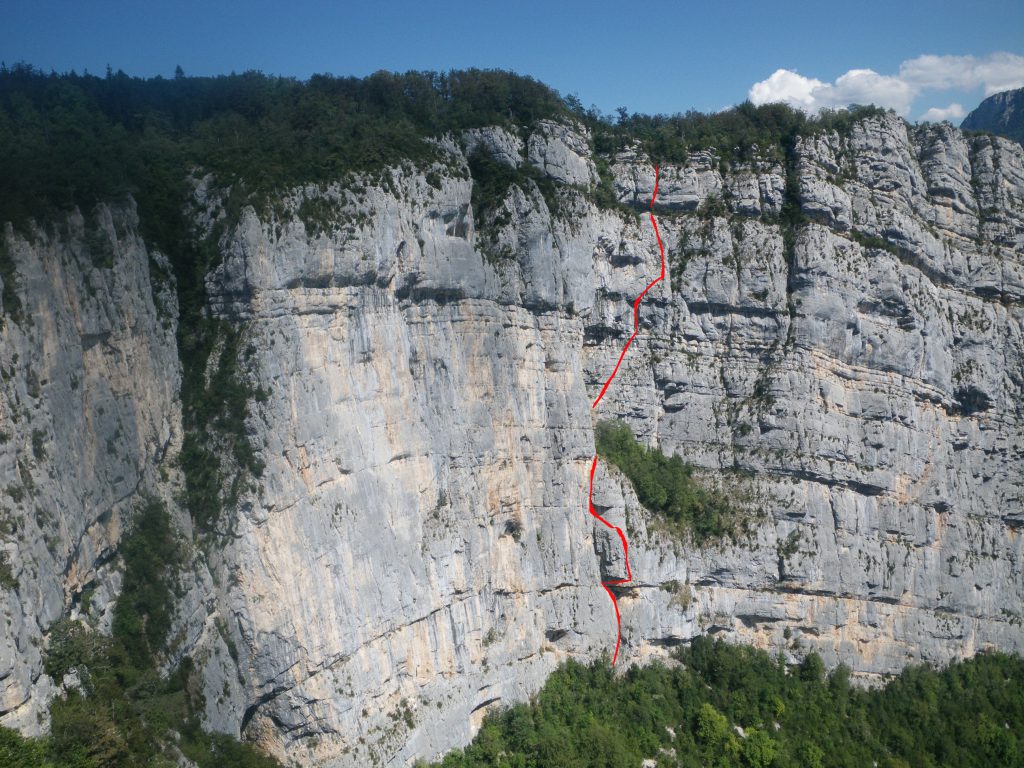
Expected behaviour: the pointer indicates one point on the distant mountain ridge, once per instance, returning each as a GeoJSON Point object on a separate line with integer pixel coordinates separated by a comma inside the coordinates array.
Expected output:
{"type": "Point", "coordinates": [1002, 114]}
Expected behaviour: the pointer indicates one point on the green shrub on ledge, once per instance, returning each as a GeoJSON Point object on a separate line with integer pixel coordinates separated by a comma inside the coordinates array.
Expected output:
{"type": "Point", "coordinates": [667, 486]}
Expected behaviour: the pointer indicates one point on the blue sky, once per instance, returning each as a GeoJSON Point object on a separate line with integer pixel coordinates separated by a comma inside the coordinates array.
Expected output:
{"type": "Point", "coordinates": [650, 57]}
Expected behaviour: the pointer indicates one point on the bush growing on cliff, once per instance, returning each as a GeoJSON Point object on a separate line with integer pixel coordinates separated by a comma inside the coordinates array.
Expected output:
{"type": "Point", "coordinates": [666, 485]}
{"type": "Point", "coordinates": [9, 275]}
{"type": "Point", "coordinates": [491, 183]}
{"type": "Point", "coordinates": [18, 752]}
{"type": "Point", "coordinates": [152, 556]}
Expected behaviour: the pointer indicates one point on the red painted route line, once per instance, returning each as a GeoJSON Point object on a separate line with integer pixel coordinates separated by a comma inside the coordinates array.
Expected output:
{"type": "Point", "coordinates": [636, 304]}
{"type": "Point", "coordinates": [625, 549]}
{"type": "Point", "coordinates": [593, 466]}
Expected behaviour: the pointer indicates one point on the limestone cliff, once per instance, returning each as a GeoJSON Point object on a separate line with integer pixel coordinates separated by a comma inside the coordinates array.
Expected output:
{"type": "Point", "coordinates": [88, 420]}
{"type": "Point", "coordinates": [418, 548]}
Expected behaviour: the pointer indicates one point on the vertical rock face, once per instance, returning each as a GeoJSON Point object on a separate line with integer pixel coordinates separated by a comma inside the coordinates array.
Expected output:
{"type": "Point", "coordinates": [88, 410]}
{"type": "Point", "coordinates": [418, 549]}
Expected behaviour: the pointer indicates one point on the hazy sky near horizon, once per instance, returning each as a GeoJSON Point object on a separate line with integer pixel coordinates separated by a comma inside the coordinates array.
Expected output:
{"type": "Point", "coordinates": [926, 59]}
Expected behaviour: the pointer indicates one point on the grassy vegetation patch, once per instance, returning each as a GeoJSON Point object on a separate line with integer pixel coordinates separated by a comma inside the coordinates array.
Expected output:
{"type": "Point", "coordinates": [492, 181]}
{"type": "Point", "coordinates": [9, 276]}
{"type": "Point", "coordinates": [217, 455]}
{"type": "Point", "coordinates": [152, 556]}
{"type": "Point", "coordinates": [667, 486]}
{"type": "Point", "coordinates": [7, 578]}
{"type": "Point", "coordinates": [873, 242]}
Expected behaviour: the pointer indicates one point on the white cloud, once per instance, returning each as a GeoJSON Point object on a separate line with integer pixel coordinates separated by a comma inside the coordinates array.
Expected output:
{"type": "Point", "coordinates": [937, 114]}
{"type": "Point", "coordinates": [858, 86]}
{"type": "Point", "coordinates": [786, 85]}
{"type": "Point", "coordinates": [994, 73]}
{"type": "Point", "coordinates": [865, 86]}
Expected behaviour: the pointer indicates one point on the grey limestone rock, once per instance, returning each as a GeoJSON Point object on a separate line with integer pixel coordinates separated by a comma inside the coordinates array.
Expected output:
{"type": "Point", "coordinates": [88, 412]}
{"type": "Point", "coordinates": [500, 144]}
{"type": "Point", "coordinates": [563, 153]}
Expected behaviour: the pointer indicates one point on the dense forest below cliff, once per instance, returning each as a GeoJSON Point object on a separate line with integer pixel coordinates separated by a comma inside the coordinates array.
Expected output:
{"type": "Point", "coordinates": [725, 706]}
